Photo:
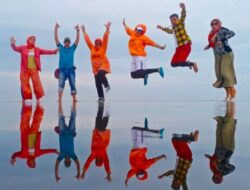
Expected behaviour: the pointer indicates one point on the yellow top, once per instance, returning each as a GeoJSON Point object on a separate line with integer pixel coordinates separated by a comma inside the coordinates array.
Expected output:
{"type": "Point", "coordinates": [31, 60]}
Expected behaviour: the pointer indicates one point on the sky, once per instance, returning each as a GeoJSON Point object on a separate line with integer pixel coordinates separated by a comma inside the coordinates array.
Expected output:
{"type": "Point", "coordinates": [21, 18]}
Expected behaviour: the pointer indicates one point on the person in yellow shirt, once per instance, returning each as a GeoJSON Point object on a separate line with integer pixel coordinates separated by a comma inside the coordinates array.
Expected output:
{"type": "Point", "coordinates": [137, 44]}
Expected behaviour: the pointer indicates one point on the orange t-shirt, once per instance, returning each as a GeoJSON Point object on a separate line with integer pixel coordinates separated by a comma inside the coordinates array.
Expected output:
{"type": "Point", "coordinates": [99, 59]}
{"type": "Point", "coordinates": [138, 161]}
{"type": "Point", "coordinates": [137, 43]}
{"type": "Point", "coordinates": [99, 146]}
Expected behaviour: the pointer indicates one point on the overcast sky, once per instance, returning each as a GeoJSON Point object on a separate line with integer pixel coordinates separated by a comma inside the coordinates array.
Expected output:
{"type": "Point", "coordinates": [24, 17]}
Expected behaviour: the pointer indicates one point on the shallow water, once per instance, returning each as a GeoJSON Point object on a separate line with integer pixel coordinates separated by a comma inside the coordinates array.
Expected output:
{"type": "Point", "coordinates": [174, 117]}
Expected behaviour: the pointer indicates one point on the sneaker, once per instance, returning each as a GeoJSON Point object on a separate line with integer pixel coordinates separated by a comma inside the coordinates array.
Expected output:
{"type": "Point", "coordinates": [161, 133]}
{"type": "Point", "coordinates": [107, 89]}
{"type": "Point", "coordinates": [161, 72]}
{"type": "Point", "coordinates": [100, 100]}
{"type": "Point", "coordinates": [145, 80]}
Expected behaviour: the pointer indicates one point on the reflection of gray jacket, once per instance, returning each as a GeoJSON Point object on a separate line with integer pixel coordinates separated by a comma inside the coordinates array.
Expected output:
{"type": "Point", "coordinates": [225, 143]}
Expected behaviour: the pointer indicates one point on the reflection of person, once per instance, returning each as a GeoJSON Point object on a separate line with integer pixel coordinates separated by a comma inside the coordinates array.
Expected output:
{"type": "Point", "coordinates": [184, 161]}
{"type": "Point", "coordinates": [138, 155]}
{"type": "Point", "coordinates": [66, 139]}
{"type": "Point", "coordinates": [99, 60]}
{"type": "Point", "coordinates": [137, 44]}
{"type": "Point", "coordinates": [31, 137]}
{"type": "Point", "coordinates": [100, 142]}
{"type": "Point", "coordinates": [183, 40]}
{"type": "Point", "coordinates": [224, 58]}
{"type": "Point", "coordinates": [225, 144]}
{"type": "Point", "coordinates": [30, 67]}
{"type": "Point", "coordinates": [66, 62]}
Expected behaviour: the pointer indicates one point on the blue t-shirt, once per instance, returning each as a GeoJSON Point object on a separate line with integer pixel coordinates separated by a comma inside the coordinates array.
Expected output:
{"type": "Point", "coordinates": [66, 147]}
{"type": "Point", "coordinates": [66, 58]}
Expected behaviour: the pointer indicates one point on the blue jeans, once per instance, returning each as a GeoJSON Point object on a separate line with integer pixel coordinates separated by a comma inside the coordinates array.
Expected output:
{"type": "Point", "coordinates": [67, 73]}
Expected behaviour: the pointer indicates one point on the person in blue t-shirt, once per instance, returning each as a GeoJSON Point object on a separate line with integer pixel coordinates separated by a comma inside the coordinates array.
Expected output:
{"type": "Point", "coordinates": [66, 140]}
{"type": "Point", "coordinates": [66, 62]}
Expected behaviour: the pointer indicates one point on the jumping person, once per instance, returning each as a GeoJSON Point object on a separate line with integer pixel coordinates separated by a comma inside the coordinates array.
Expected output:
{"type": "Point", "coordinates": [137, 44]}
{"type": "Point", "coordinates": [183, 41]}
{"type": "Point", "coordinates": [66, 62]}
{"type": "Point", "coordinates": [184, 161]}
{"type": "Point", "coordinates": [138, 155]}
{"type": "Point", "coordinates": [224, 58]}
{"type": "Point", "coordinates": [99, 60]}
{"type": "Point", "coordinates": [30, 67]}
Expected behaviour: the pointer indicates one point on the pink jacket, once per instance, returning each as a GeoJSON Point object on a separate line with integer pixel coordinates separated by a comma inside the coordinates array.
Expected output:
{"type": "Point", "coordinates": [23, 50]}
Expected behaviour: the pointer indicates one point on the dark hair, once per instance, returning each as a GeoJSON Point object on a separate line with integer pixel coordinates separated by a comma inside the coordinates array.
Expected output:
{"type": "Point", "coordinates": [174, 15]}
{"type": "Point", "coordinates": [67, 39]}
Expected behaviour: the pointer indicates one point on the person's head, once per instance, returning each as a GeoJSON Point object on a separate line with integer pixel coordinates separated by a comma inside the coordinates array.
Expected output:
{"type": "Point", "coordinates": [176, 184]}
{"type": "Point", "coordinates": [67, 42]}
{"type": "Point", "coordinates": [31, 41]}
{"type": "Point", "coordinates": [142, 175]}
{"type": "Point", "coordinates": [174, 18]}
{"type": "Point", "coordinates": [140, 29]}
{"type": "Point", "coordinates": [98, 162]}
{"type": "Point", "coordinates": [217, 178]}
{"type": "Point", "coordinates": [98, 43]}
{"type": "Point", "coordinates": [67, 162]}
{"type": "Point", "coordinates": [215, 24]}
{"type": "Point", "coordinates": [31, 163]}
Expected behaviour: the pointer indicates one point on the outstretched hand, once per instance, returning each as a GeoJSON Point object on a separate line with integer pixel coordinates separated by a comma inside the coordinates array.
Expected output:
{"type": "Point", "coordinates": [12, 40]}
{"type": "Point", "coordinates": [12, 161]}
{"type": "Point", "coordinates": [182, 6]}
{"type": "Point", "coordinates": [108, 178]}
{"type": "Point", "coordinates": [164, 155]}
{"type": "Point", "coordinates": [163, 47]}
{"type": "Point", "coordinates": [57, 26]}
{"type": "Point", "coordinates": [83, 28]}
{"type": "Point", "coordinates": [108, 25]}
{"type": "Point", "coordinates": [124, 22]}
{"type": "Point", "coordinates": [159, 27]}
{"type": "Point", "coordinates": [207, 47]}
{"type": "Point", "coordinates": [77, 28]}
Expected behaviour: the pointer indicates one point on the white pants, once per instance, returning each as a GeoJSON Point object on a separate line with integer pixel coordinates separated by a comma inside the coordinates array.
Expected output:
{"type": "Point", "coordinates": [138, 62]}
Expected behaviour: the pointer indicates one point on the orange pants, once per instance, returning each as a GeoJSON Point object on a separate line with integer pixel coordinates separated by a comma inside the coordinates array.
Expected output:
{"type": "Point", "coordinates": [26, 91]}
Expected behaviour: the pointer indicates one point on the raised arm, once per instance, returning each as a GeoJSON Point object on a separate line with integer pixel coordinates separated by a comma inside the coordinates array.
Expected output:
{"type": "Point", "coordinates": [165, 29]}
{"type": "Point", "coordinates": [57, 170]}
{"type": "Point", "coordinates": [77, 34]}
{"type": "Point", "coordinates": [128, 30]}
{"type": "Point", "coordinates": [48, 52]}
{"type": "Point", "coordinates": [78, 169]}
{"type": "Point", "coordinates": [56, 34]}
{"type": "Point", "coordinates": [183, 12]}
{"type": "Point", "coordinates": [13, 45]}
{"type": "Point", "coordinates": [106, 35]}
{"type": "Point", "coordinates": [86, 37]}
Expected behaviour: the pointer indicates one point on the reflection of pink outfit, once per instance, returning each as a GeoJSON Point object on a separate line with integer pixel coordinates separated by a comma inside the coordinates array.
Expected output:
{"type": "Point", "coordinates": [26, 74]}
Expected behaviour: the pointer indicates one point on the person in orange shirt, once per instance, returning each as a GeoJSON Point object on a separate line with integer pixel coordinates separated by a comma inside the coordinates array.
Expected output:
{"type": "Point", "coordinates": [31, 137]}
{"type": "Point", "coordinates": [100, 143]}
{"type": "Point", "coordinates": [138, 159]}
{"type": "Point", "coordinates": [99, 60]}
{"type": "Point", "coordinates": [137, 44]}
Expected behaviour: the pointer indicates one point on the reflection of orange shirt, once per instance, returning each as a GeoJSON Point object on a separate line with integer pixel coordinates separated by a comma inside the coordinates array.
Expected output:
{"type": "Point", "coordinates": [138, 43]}
{"type": "Point", "coordinates": [99, 59]}
{"type": "Point", "coordinates": [99, 146]}
{"type": "Point", "coordinates": [138, 161]}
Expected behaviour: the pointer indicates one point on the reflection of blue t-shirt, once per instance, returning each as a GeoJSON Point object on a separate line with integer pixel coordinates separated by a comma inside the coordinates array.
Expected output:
{"type": "Point", "coordinates": [66, 147]}
{"type": "Point", "coordinates": [66, 137]}
{"type": "Point", "coordinates": [66, 58]}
